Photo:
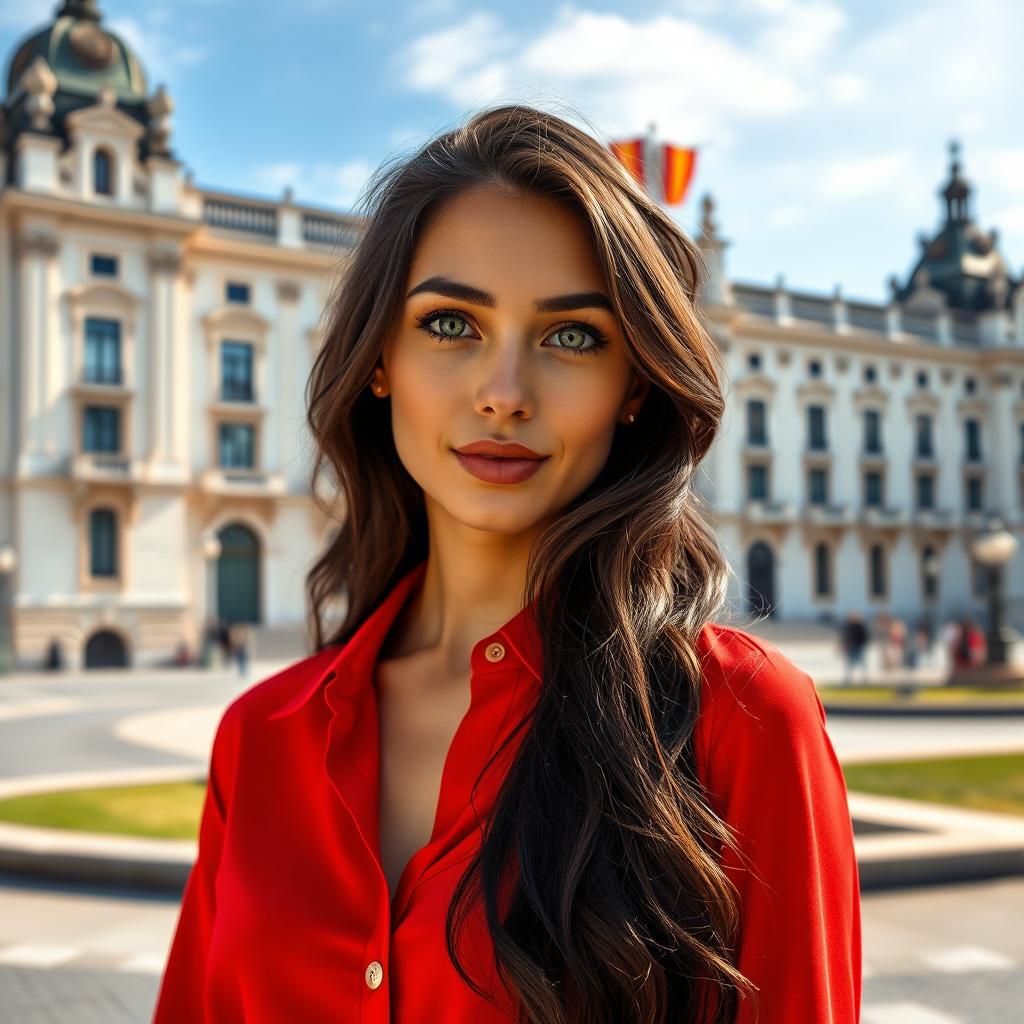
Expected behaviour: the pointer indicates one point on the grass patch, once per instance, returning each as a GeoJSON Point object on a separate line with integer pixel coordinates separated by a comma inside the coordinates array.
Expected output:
{"type": "Point", "coordinates": [171, 810]}
{"type": "Point", "coordinates": [926, 694]}
{"type": "Point", "coordinates": [167, 810]}
{"type": "Point", "coordinates": [992, 782]}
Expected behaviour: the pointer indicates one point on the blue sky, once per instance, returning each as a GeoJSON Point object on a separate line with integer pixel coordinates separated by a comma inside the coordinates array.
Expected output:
{"type": "Point", "coordinates": [823, 126]}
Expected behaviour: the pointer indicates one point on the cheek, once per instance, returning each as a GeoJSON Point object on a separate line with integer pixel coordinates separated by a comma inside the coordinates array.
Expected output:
{"type": "Point", "coordinates": [422, 403]}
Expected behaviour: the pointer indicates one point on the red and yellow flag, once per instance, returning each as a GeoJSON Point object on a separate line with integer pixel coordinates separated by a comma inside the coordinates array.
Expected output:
{"type": "Point", "coordinates": [678, 165]}
{"type": "Point", "coordinates": [630, 154]}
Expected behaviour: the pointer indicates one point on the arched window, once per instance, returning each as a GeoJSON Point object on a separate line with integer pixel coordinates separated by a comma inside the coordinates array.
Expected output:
{"type": "Point", "coordinates": [103, 542]}
{"type": "Point", "coordinates": [103, 172]}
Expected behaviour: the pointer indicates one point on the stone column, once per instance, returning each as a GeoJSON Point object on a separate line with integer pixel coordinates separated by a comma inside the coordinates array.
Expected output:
{"type": "Point", "coordinates": [286, 345]}
{"type": "Point", "coordinates": [1002, 479]}
{"type": "Point", "coordinates": [35, 342]}
{"type": "Point", "coordinates": [164, 383]}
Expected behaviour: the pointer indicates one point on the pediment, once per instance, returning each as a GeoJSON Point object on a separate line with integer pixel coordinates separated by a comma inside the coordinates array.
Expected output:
{"type": "Point", "coordinates": [103, 120]}
{"type": "Point", "coordinates": [233, 318]}
{"type": "Point", "coordinates": [102, 293]}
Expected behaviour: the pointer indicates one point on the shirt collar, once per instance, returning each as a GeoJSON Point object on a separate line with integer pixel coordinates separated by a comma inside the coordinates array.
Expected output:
{"type": "Point", "coordinates": [350, 669]}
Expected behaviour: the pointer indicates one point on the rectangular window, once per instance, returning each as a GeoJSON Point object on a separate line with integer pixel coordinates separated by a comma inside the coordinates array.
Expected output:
{"type": "Point", "coordinates": [925, 490]}
{"type": "Point", "coordinates": [236, 291]}
{"type": "Point", "coordinates": [102, 429]}
{"type": "Point", "coordinates": [872, 432]}
{"type": "Point", "coordinates": [236, 371]}
{"type": "Point", "coordinates": [975, 493]}
{"type": "Point", "coordinates": [757, 432]}
{"type": "Point", "coordinates": [103, 266]}
{"type": "Point", "coordinates": [972, 439]}
{"type": "Point", "coordinates": [102, 351]}
{"type": "Point", "coordinates": [102, 542]}
{"type": "Point", "coordinates": [817, 486]}
{"type": "Point", "coordinates": [816, 439]}
{"type": "Point", "coordinates": [923, 436]}
{"type": "Point", "coordinates": [873, 488]}
{"type": "Point", "coordinates": [236, 445]}
{"type": "Point", "coordinates": [757, 482]}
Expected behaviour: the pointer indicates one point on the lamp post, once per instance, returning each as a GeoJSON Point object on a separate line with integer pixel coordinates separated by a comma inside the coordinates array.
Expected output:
{"type": "Point", "coordinates": [930, 565]}
{"type": "Point", "coordinates": [8, 563]}
{"type": "Point", "coordinates": [994, 548]}
{"type": "Point", "coordinates": [211, 552]}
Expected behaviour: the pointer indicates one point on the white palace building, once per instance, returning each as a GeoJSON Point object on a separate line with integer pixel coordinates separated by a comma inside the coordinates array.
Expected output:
{"type": "Point", "coordinates": [156, 337]}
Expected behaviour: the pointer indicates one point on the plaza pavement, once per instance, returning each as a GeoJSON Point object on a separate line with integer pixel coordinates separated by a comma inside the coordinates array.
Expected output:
{"type": "Point", "coordinates": [898, 842]}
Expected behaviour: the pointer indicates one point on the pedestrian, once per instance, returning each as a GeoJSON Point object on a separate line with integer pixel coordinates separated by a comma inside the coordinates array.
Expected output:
{"type": "Point", "coordinates": [240, 646]}
{"type": "Point", "coordinates": [224, 642]}
{"type": "Point", "coordinates": [854, 641]}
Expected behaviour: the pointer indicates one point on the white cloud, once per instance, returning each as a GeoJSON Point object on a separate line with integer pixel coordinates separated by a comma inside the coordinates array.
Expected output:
{"type": "Point", "coordinates": [157, 41]}
{"type": "Point", "coordinates": [858, 177]}
{"type": "Point", "coordinates": [321, 184]}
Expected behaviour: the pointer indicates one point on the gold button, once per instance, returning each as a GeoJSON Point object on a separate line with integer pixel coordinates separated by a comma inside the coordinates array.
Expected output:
{"type": "Point", "coordinates": [374, 974]}
{"type": "Point", "coordinates": [495, 651]}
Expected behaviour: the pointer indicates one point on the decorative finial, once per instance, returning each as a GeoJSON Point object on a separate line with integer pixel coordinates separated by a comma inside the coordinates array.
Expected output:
{"type": "Point", "coordinates": [79, 9]}
{"type": "Point", "coordinates": [159, 106]}
{"type": "Point", "coordinates": [954, 157]}
{"type": "Point", "coordinates": [39, 83]}
{"type": "Point", "coordinates": [707, 223]}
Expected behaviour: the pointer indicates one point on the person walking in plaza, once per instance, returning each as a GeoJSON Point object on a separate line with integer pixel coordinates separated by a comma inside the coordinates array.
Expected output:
{"type": "Point", "coordinates": [528, 777]}
{"type": "Point", "coordinates": [854, 642]}
{"type": "Point", "coordinates": [239, 633]}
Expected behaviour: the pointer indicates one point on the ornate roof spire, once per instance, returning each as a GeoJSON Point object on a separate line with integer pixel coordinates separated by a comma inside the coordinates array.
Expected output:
{"type": "Point", "coordinates": [79, 9]}
{"type": "Point", "coordinates": [957, 192]}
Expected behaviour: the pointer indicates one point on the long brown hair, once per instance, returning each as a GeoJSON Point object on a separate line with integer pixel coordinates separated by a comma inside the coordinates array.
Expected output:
{"type": "Point", "coordinates": [620, 911]}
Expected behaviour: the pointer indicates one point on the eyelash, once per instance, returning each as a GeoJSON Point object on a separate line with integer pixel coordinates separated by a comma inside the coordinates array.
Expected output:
{"type": "Point", "coordinates": [600, 338]}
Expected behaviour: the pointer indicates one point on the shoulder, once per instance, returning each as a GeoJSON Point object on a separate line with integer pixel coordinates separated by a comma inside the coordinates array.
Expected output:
{"type": "Point", "coordinates": [751, 691]}
{"type": "Point", "coordinates": [287, 687]}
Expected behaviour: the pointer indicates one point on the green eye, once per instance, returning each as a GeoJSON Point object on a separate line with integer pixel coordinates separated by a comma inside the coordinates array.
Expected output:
{"type": "Point", "coordinates": [576, 332]}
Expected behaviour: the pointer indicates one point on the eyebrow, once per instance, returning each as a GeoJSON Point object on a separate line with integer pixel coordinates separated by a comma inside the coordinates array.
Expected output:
{"type": "Point", "coordinates": [556, 304]}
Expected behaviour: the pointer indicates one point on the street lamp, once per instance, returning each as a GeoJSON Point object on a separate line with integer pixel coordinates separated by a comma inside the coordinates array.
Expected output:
{"type": "Point", "coordinates": [8, 563]}
{"type": "Point", "coordinates": [994, 548]}
{"type": "Point", "coordinates": [211, 552]}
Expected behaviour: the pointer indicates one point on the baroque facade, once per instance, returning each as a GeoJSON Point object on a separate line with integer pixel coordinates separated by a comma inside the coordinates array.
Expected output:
{"type": "Point", "coordinates": [156, 336]}
{"type": "Point", "coordinates": [867, 445]}
{"type": "Point", "coordinates": [155, 340]}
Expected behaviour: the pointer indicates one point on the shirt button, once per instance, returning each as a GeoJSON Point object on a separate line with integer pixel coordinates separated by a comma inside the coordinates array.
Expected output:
{"type": "Point", "coordinates": [374, 974]}
{"type": "Point", "coordinates": [495, 651]}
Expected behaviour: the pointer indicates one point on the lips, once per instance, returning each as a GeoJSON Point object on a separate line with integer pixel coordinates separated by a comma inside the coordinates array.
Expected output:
{"type": "Point", "coordinates": [499, 450]}
{"type": "Point", "coordinates": [499, 469]}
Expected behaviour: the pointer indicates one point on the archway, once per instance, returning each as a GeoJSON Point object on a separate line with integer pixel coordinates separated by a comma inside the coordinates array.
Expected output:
{"type": "Point", "coordinates": [238, 574]}
{"type": "Point", "coordinates": [105, 649]}
{"type": "Point", "coordinates": [760, 579]}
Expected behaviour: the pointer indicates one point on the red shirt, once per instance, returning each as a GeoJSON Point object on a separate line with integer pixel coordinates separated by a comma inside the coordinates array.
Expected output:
{"type": "Point", "coordinates": [286, 915]}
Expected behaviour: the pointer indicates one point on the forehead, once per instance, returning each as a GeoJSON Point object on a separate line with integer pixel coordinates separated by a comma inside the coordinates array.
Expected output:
{"type": "Point", "coordinates": [507, 243]}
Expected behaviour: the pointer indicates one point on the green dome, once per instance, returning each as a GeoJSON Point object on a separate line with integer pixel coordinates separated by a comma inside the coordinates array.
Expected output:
{"type": "Point", "coordinates": [83, 55]}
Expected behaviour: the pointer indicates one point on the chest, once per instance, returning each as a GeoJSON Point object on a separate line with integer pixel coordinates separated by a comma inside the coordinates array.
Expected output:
{"type": "Point", "coordinates": [418, 718]}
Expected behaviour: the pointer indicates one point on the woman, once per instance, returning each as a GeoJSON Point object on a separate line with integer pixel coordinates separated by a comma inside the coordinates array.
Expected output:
{"type": "Point", "coordinates": [526, 778]}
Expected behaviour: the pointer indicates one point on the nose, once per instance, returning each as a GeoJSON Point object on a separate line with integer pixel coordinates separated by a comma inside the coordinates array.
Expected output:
{"type": "Point", "coordinates": [504, 390]}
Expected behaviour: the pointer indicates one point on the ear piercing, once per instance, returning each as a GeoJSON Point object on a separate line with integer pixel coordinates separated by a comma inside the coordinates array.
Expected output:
{"type": "Point", "coordinates": [630, 417]}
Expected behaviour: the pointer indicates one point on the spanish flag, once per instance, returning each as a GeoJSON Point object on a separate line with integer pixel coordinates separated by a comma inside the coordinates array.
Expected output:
{"type": "Point", "coordinates": [678, 164]}
{"type": "Point", "coordinates": [630, 154]}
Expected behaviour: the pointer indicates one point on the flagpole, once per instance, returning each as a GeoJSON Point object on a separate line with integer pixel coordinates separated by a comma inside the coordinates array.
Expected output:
{"type": "Point", "coordinates": [653, 166]}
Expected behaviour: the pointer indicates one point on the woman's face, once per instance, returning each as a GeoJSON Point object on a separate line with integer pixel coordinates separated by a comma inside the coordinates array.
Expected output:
{"type": "Point", "coordinates": [506, 334]}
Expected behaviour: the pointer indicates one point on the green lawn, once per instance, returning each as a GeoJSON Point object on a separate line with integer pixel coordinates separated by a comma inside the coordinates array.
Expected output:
{"type": "Point", "coordinates": [168, 810]}
{"type": "Point", "coordinates": [171, 810]}
{"type": "Point", "coordinates": [925, 694]}
{"type": "Point", "coordinates": [994, 782]}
